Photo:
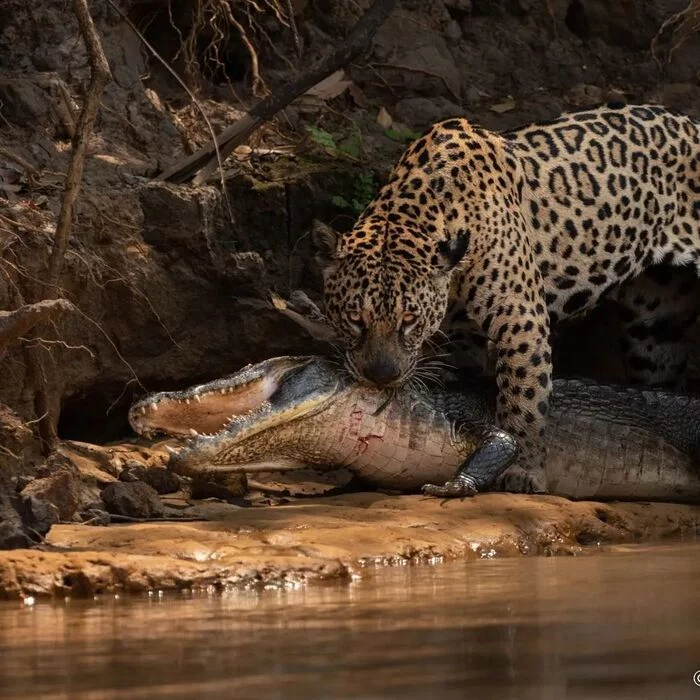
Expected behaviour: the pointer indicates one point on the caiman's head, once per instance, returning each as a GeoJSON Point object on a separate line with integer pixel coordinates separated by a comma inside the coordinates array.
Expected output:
{"type": "Point", "coordinates": [386, 291]}
{"type": "Point", "coordinates": [225, 415]}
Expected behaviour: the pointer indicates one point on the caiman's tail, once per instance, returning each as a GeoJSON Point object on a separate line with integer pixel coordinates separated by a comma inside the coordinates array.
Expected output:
{"type": "Point", "coordinates": [674, 417]}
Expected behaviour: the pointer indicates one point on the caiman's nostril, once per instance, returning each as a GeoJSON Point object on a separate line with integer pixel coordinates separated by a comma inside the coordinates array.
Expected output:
{"type": "Point", "coordinates": [382, 372]}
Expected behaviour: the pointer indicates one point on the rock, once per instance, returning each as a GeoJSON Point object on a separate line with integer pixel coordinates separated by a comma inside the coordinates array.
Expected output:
{"type": "Point", "coordinates": [24, 521]}
{"type": "Point", "coordinates": [23, 480]}
{"type": "Point", "coordinates": [162, 480]}
{"type": "Point", "coordinates": [421, 112]}
{"type": "Point", "coordinates": [134, 500]}
{"type": "Point", "coordinates": [37, 515]}
{"type": "Point", "coordinates": [453, 31]}
{"type": "Point", "coordinates": [13, 536]}
{"type": "Point", "coordinates": [64, 490]}
{"type": "Point", "coordinates": [23, 102]}
{"type": "Point", "coordinates": [423, 62]}
{"type": "Point", "coordinates": [459, 5]}
{"type": "Point", "coordinates": [229, 489]}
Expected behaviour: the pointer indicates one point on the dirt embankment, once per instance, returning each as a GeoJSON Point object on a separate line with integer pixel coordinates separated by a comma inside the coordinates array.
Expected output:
{"type": "Point", "coordinates": [168, 282]}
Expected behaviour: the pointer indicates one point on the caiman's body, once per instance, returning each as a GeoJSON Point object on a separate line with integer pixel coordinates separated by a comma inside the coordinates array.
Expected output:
{"type": "Point", "coordinates": [603, 442]}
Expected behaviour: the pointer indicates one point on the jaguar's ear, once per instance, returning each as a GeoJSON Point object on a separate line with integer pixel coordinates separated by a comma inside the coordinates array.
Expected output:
{"type": "Point", "coordinates": [325, 240]}
{"type": "Point", "coordinates": [450, 252]}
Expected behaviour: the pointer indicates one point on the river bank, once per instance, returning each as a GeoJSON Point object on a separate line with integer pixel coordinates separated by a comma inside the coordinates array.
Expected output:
{"type": "Point", "coordinates": [321, 538]}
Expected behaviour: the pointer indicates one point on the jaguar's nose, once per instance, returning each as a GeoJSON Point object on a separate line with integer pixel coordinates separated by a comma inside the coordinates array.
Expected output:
{"type": "Point", "coordinates": [383, 371]}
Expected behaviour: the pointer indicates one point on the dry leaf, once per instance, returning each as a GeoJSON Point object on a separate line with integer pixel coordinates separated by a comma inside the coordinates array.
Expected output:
{"type": "Point", "coordinates": [332, 86]}
{"type": "Point", "coordinates": [278, 302]}
{"type": "Point", "coordinates": [357, 95]}
{"type": "Point", "coordinates": [505, 106]}
{"type": "Point", "coordinates": [384, 119]}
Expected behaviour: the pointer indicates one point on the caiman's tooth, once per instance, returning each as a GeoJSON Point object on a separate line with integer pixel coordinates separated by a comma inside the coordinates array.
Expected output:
{"type": "Point", "coordinates": [154, 406]}
{"type": "Point", "coordinates": [193, 432]}
{"type": "Point", "coordinates": [171, 450]}
{"type": "Point", "coordinates": [197, 399]}
{"type": "Point", "coordinates": [187, 401]}
{"type": "Point", "coordinates": [222, 391]}
{"type": "Point", "coordinates": [143, 410]}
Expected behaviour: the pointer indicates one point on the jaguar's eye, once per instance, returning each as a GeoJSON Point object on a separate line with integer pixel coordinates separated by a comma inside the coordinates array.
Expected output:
{"type": "Point", "coordinates": [355, 322]}
{"type": "Point", "coordinates": [408, 319]}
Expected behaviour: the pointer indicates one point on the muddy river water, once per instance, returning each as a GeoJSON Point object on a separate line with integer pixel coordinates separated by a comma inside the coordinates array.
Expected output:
{"type": "Point", "coordinates": [622, 623]}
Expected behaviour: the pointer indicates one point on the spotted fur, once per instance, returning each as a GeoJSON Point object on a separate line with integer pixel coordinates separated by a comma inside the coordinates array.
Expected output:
{"type": "Point", "coordinates": [508, 233]}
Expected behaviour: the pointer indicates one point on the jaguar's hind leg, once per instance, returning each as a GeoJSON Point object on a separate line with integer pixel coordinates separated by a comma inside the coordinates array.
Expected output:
{"type": "Point", "coordinates": [657, 309]}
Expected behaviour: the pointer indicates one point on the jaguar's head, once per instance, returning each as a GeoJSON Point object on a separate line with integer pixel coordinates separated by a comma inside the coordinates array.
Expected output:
{"type": "Point", "coordinates": [386, 293]}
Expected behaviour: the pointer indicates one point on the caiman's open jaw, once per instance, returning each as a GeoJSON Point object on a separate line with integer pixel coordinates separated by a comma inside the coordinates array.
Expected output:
{"type": "Point", "coordinates": [208, 408]}
{"type": "Point", "coordinates": [222, 414]}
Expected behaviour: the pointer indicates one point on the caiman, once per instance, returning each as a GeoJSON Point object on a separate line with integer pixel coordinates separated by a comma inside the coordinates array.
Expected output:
{"type": "Point", "coordinates": [604, 442]}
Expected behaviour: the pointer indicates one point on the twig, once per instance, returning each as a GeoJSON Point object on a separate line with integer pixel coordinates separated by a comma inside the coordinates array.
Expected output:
{"type": "Point", "coordinates": [357, 42]}
{"type": "Point", "coordinates": [9, 452]}
{"type": "Point", "coordinates": [30, 170]}
{"type": "Point", "coordinates": [293, 27]}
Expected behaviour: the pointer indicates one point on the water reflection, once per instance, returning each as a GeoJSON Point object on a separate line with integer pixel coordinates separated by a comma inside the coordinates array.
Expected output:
{"type": "Point", "coordinates": [614, 625]}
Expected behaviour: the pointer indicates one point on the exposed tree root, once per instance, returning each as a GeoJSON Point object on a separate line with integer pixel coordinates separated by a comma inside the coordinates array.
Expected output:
{"type": "Point", "coordinates": [15, 324]}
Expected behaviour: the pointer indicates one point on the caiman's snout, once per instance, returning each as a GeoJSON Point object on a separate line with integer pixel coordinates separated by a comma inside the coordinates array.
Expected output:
{"type": "Point", "coordinates": [382, 371]}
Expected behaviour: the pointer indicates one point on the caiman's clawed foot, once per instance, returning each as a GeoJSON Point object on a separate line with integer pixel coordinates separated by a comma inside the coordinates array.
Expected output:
{"type": "Point", "coordinates": [459, 487]}
{"type": "Point", "coordinates": [517, 479]}
{"type": "Point", "coordinates": [496, 451]}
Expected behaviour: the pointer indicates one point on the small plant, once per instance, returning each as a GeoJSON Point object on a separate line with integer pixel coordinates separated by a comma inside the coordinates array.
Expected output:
{"type": "Point", "coordinates": [323, 138]}
{"type": "Point", "coordinates": [363, 190]}
{"type": "Point", "coordinates": [350, 147]}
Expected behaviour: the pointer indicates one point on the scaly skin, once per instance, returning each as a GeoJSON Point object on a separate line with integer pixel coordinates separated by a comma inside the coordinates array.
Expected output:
{"type": "Point", "coordinates": [604, 442]}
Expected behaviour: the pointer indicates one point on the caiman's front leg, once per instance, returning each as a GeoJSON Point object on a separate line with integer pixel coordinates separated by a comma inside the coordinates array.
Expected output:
{"type": "Point", "coordinates": [483, 468]}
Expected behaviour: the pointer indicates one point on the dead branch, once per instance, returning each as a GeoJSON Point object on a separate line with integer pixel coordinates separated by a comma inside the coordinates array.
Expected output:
{"type": "Point", "coordinates": [100, 75]}
{"type": "Point", "coordinates": [357, 43]}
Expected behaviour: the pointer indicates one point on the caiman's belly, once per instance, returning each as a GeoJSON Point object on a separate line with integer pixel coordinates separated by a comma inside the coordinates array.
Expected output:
{"type": "Point", "coordinates": [399, 448]}
{"type": "Point", "coordinates": [589, 458]}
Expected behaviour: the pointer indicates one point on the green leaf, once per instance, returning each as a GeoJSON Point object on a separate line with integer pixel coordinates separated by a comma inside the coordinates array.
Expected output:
{"type": "Point", "coordinates": [322, 138]}
{"type": "Point", "coordinates": [340, 202]}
